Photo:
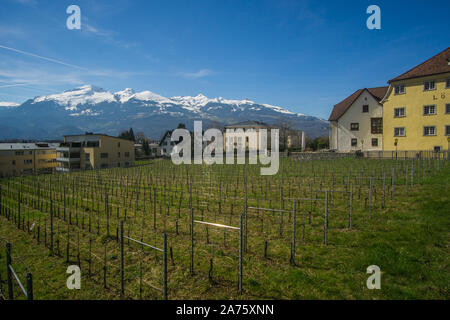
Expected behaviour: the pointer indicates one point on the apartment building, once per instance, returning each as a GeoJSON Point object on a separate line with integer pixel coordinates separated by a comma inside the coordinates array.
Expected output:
{"type": "Point", "coordinates": [416, 107]}
{"type": "Point", "coordinates": [27, 158]}
{"type": "Point", "coordinates": [356, 122]}
{"type": "Point", "coordinates": [94, 151]}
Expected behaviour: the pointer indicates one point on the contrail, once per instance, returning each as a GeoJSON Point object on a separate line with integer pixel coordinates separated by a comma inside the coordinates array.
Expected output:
{"type": "Point", "coordinates": [13, 85]}
{"type": "Point", "coordinates": [44, 58]}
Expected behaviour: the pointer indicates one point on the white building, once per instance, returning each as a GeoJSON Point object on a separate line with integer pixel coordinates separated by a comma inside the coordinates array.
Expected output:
{"type": "Point", "coordinates": [356, 123]}
{"type": "Point", "coordinates": [166, 145]}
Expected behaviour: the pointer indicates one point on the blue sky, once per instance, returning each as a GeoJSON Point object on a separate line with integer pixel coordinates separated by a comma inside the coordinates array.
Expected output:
{"type": "Point", "coordinates": [302, 55]}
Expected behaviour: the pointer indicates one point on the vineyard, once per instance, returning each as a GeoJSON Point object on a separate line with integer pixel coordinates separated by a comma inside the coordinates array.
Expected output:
{"type": "Point", "coordinates": [161, 231]}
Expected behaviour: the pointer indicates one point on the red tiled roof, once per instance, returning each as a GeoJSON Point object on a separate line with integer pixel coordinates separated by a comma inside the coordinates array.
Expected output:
{"type": "Point", "coordinates": [435, 65]}
{"type": "Point", "coordinates": [339, 109]}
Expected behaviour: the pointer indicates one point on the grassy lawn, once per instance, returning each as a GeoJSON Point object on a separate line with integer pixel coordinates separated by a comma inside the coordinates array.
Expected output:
{"type": "Point", "coordinates": [409, 240]}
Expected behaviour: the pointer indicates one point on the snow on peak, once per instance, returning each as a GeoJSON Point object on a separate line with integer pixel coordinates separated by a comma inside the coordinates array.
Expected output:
{"type": "Point", "coordinates": [87, 94]}
{"type": "Point", "coordinates": [124, 95]}
{"type": "Point", "coordinates": [278, 109]}
{"type": "Point", "coordinates": [91, 95]}
{"type": "Point", "coordinates": [150, 96]}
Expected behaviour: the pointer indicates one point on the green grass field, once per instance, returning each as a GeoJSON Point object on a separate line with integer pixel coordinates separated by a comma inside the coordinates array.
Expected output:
{"type": "Point", "coordinates": [408, 236]}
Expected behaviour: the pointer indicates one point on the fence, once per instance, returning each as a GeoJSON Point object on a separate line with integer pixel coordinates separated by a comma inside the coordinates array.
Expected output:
{"type": "Point", "coordinates": [122, 259]}
{"type": "Point", "coordinates": [11, 275]}
{"type": "Point", "coordinates": [217, 225]}
{"type": "Point", "coordinates": [408, 154]}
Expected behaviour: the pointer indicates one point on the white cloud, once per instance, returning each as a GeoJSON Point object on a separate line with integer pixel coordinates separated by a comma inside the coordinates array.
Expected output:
{"type": "Point", "coordinates": [9, 104]}
{"type": "Point", "coordinates": [196, 75]}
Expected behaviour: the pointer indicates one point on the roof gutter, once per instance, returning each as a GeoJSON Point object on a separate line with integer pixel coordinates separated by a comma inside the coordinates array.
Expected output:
{"type": "Point", "coordinates": [388, 92]}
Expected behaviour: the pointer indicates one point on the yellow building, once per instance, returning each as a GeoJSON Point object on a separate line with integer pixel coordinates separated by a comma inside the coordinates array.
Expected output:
{"type": "Point", "coordinates": [26, 158]}
{"type": "Point", "coordinates": [416, 107]}
{"type": "Point", "coordinates": [94, 151]}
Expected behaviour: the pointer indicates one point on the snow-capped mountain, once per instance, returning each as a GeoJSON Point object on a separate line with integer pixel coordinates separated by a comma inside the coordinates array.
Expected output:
{"type": "Point", "coordinates": [90, 108]}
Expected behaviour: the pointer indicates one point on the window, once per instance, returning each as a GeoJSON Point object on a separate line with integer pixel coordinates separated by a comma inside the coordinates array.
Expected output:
{"type": "Point", "coordinates": [399, 112]}
{"type": "Point", "coordinates": [103, 155]}
{"type": "Point", "coordinates": [354, 126]}
{"type": "Point", "coordinates": [399, 132]}
{"type": "Point", "coordinates": [447, 83]}
{"type": "Point", "coordinates": [429, 110]}
{"type": "Point", "coordinates": [374, 142]}
{"type": "Point", "coordinates": [118, 154]}
{"type": "Point", "coordinates": [118, 164]}
{"type": "Point", "coordinates": [127, 164]}
{"type": "Point", "coordinates": [14, 162]}
{"type": "Point", "coordinates": [354, 142]}
{"type": "Point", "coordinates": [118, 144]}
{"type": "Point", "coordinates": [365, 108]}
{"type": "Point", "coordinates": [376, 125]}
{"type": "Point", "coordinates": [437, 148]}
{"type": "Point", "coordinates": [19, 153]}
{"type": "Point", "coordinates": [104, 165]}
{"type": "Point", "coordinates": [447, 108]}
{"type": "Point", "coordinates": [429, 85]}
{"type": "Point", "coordinates": [400, 89]}
{"type": "Point", "coordinates": [28, 161]}
{"type": "Point", "coordinates": [447, 130]}
{"type": "Point", "coordinates": [127, 154]}
{"type": "Point", "coordinates": [429, 131]}
{"type": "Point", "coordinates": [87, 156]}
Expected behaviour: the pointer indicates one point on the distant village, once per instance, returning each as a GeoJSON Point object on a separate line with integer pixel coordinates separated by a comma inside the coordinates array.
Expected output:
{"type": "Point", "coordinates": [100, 151]}
{"type": "Point", "coordinates": [411, 114]}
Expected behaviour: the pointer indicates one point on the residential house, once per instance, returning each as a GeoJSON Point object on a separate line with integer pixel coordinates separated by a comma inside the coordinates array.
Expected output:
{"type": "Point", "coordinates": [356, 122]}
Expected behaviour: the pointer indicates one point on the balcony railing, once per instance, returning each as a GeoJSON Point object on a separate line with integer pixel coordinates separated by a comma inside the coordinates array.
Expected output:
{"type": "Point", "coordinates": [69, 160]}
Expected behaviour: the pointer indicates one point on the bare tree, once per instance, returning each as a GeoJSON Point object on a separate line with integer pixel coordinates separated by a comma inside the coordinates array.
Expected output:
{"type": "Point", "coordinates": [285, 126]}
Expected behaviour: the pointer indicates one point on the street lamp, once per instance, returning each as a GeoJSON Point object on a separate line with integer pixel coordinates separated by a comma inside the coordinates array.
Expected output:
{"type": "Point", "coordinates": [395, 144]}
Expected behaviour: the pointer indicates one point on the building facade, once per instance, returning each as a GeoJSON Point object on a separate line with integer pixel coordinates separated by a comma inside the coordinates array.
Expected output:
{"type": "Point", "coordinates": [166, 145]}
{"type": "Point", "coordinates": [416, 108]}
{"type": "Point", "coordinates": [27, 158]}
{"type": "Point", "coordinates": [356, 122]}
{"type": "Point", "coordinates": [235, 138]}
{"type": "Point", "coordinates": [94, 151]}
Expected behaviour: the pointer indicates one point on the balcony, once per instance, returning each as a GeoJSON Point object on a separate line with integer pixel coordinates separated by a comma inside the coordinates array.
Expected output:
{"type": "Point", "coordinates": [68, 160]}
{"type": "Point", "coordinates": [69, 147]}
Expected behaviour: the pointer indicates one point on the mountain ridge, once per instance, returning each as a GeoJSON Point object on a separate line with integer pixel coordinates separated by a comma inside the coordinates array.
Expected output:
{"type": "Point", "coordinates": [91, 108]}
